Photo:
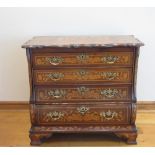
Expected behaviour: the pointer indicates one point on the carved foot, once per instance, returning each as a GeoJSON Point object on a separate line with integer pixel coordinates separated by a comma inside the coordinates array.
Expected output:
{"type": "Point", "coordinates": [37, 138]}
{"type": "Point", "coordinates": [130, 137]}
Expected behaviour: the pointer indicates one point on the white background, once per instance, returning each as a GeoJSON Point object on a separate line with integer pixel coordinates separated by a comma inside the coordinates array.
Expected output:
{"type": "Point", "coordinates": [17, 25]}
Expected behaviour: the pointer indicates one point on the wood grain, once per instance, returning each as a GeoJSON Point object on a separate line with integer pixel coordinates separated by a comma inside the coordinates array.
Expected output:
{"type": "Point", "coordinates": [18, 135]}
{"type": "Point", "coordinates": [82, 114]}
{"type": "Point", "coordinates": [83, 75]}
{"type": "Point", "coordinates": [101, 58]}
{"type": "Point", "coordinates": [14, 105]}
{"type": "Point", "coordinates": [82, 93]}
{"type": "Point", "coordinates": [23, 105]}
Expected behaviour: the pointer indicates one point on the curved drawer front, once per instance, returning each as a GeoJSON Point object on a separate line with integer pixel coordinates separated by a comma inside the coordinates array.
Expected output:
{"type": "Point", "coordinates": [83, 114]}
{"type": "Point", "coordinates": [122, 75]}
{"type": "Point", "coordinates": [83, 93]}
{"type": "Point", "coordinates": [91, 58]}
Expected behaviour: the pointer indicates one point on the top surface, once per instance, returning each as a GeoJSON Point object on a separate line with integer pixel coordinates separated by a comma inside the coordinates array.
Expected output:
{"type": "Point", "coordinates": [84, 41]}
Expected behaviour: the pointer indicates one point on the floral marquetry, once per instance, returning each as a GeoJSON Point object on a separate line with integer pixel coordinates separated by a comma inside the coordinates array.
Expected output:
{"type": "Point", "coordinates": [83, 84]}
{"type": "Point", "coordinates": [84, 93]}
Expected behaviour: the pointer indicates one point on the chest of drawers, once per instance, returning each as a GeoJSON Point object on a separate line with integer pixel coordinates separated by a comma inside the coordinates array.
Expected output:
{"type": "Point", "coordinates": [82, 84]}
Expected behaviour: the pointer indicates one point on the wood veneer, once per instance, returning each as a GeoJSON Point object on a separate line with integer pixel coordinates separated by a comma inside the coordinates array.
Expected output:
{"type": "Point", "coordinates": [58, 65]}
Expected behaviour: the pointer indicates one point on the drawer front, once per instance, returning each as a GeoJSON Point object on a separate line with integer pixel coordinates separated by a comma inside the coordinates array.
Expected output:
{"type": "Point", "coordinates": [82, 93]}
{"type": "Point", "coordinates": [83, 114]}
{"type": "Point", "coordinates": [85, 58]}
{"type": "Point", "coordinates": [57, 76]}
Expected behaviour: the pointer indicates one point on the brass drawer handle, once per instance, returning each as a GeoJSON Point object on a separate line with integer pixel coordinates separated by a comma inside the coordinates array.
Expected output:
{"type": "Point", "coordinates": [57, 93]}
{"type": "Point", "coordinates": [55, 115]}
{"type": "Point", "coordinates": [82, 57]}
{"type": "Point", "coordinates": [55, 76]}
{"type": "Point", "coordinates": [109, 93]}
{"type": "Point", "coordinates": [110, 59]}
{"type": "Point", "coordinates": [110, 75]}
{"type": "Point", "coordinates": [54, 60]}
{"type": "Point", "coordinates": [82, 110]}
{"type": "Point", "coordinates": [109, 115]}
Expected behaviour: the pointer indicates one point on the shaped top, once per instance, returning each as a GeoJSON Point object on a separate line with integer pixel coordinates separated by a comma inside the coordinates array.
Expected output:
{"type": "Point", "coordinates": [84, 41]}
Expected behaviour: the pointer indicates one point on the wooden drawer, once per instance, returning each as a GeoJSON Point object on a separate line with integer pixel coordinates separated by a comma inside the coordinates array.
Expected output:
{"type": "Point", "coordinates": [82, 93]}
{"type": "Point", "coordinates": [83, 58]}
{"type": "Point", "coordinates": [83, 114]}
{"type": "Point", "coordinates": [86, 75]}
